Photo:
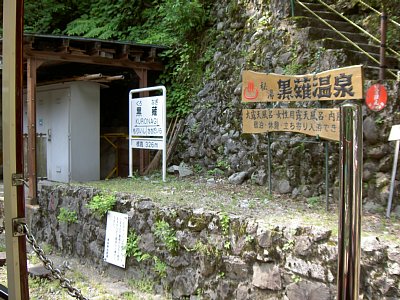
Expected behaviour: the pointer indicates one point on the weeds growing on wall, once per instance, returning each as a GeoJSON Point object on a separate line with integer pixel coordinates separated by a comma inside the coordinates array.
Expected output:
{"type": "Point", "coordinates": [132, 248]}
{"type": "Point", "coordinates": [67, 216]}
{"type": "Point", "coordinates": [101, 204]}
{"type": "Point", "coordinates": [167, 235]}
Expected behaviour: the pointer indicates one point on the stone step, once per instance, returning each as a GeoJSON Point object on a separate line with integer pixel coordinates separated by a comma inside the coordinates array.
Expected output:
{"type": "Point", "coordinates": [391, 60]}
{"type": "Point", "coordinates": [372, 73]}
{"type": "Point", "coordinates": [318, 9]}
{"type": "Point", "coordinates": [330, 39]}
{"type": "Point", "coordinates": [303, 21]}
{"type": "Point", "coordinates": [371, 68]}
{"type": "Point", "coordinates": [340, 44]}
{"type": "Point", "coordinates": [322, 33]}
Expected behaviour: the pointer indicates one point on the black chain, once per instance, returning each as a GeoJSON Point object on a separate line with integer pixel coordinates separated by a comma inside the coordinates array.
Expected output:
{"type": "Point", "coordinates": [48, 264]}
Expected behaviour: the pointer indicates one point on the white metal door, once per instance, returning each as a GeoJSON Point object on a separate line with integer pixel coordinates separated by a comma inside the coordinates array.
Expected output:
{"type": "Point", "coordinates": [58, 141]}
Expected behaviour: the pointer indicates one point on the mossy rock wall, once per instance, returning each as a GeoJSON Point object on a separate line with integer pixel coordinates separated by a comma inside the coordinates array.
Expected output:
{"type": "Point", "coordinates": [218, 256]}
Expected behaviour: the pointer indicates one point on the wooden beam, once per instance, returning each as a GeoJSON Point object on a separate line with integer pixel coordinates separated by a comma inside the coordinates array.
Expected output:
{"type": "Point", "coordinates": [88, 59]}
{"type": "Point", "coordinates": [123, 53]}
{"type": "Point", "coordinates": [102, 79]}
{"type": "Point", "coordinates": [33, 65]}
{"type": "Point", "coordinates": [63, 48]}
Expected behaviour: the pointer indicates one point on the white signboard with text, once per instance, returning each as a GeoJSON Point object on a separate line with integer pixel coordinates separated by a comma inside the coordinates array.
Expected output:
{"type": "Point", "coordinates": [116, 238]}
{"type": "Point", "coordinates": [147, 123]}
{"type": "Point", "coordinates": [147, 114]}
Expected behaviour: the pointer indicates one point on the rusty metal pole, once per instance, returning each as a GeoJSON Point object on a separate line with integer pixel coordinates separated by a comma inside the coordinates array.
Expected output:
{"type": "Point", "coordinates": [351, 147]}
{"type": "Point", "coordinates": [14, 205]}
{"type": "Point", "coordinates": [382, 52]}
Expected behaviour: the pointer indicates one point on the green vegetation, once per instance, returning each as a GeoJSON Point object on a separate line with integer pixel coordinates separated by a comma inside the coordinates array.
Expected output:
{"type": "Point", "coordinates": [223, 164]}
{"type": "Point", "coordinates": [313, 201]}
{"type": "Point", "coordinates": [296, 278]}
{"type": "Point", "coordinates": [225, 222]}
{"type": "Point", "coordinates": [197, 168]}
{"type": "Point", "coordinates": [184, 26]}
{"type": "Point", "coordinates": [197, 193]}
{"type": "Point", "coordinates": [227, 245]}
{"type": "Point", "coordinates": [160, 267]}
{"type": "Point", "coordinates": [215, 172]}
{"type": "Point", "coordinates": [166, 235]}
{"type": "Point", "coordinates": [42, 288]}
{"type": "Point", "coordinates": [370, 20]}
{"type": "Point", "coordinates": [249, 239]}
{"type": "Point", "coordinates": [67, 216]}
{"type": "Point", "coordinates": [293, 68]}
{"type": "Point", "coordinates": [205, 249]}
{"type": "Point", "coordinates": [101, 204]}
{"type": "Point", "coordinates": [132, 247]}
{"type": "Point", "coordinates": [288, 246]}
{"type": "Point", "coordinates": [144, 285]}
{"type": "Point", "coordinates": [159, 21]}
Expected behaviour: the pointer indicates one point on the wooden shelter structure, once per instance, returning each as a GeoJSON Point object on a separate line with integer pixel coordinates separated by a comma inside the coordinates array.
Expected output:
{"type": "Point", "coordinates": [53, 59]}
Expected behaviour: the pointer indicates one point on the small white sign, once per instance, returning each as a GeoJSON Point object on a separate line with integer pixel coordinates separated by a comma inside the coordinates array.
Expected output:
{"type": "Point", "coordinates": [116, 238]}
{"type": "Point", "coordinates": [147, 116]}
{"type": "Point", "coordinates": [147, 124]}
{"type": "Point", "coordinates": [394, 133]}
{"type": "Point", "coordinates": [153, 144]}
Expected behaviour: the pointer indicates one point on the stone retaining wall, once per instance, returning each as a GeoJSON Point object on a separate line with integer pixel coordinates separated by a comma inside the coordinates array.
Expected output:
{"type": "Point", "coordinates": [218, 256]}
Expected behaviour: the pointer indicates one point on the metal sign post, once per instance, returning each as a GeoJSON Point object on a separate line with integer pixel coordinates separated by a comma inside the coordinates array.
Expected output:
{"type": "Point", "coordinates": [394, 136]}
{"type": "Point", "coordinates": [351, 146]}
{"type": "Point", "coordinates": [147, 124]}
{"type": "Point", "coordinates": [338, 84]}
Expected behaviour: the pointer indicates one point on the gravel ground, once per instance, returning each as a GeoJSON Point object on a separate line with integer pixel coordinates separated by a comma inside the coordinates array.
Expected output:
{"type": "Point", "coordinates": [90, 280]}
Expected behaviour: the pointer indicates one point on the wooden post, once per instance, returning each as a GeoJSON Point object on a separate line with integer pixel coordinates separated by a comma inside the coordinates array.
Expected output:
{"type": "Point", "coordinates": [14, 206]}
{"type": "Point", "coordinates": [33, 64]}
{"type": "Point", "coordinates": [144, 156]}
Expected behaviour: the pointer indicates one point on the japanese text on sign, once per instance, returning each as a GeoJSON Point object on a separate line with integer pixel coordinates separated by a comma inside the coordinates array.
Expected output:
{"type": "Point", "coordinates": [152, 144]}
{"type": "Point", "coordinates": [324, 123]}
{"type": "Point", "coordinates": [147, 116]}
{"type": "Point", "coordinates": [337, 84]}
{"type": "Point", "coordinates": [116, 238]}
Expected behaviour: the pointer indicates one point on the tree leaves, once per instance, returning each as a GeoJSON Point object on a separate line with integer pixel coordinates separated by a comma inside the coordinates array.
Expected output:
{"type": "Point", "coordinates": [179, 24]}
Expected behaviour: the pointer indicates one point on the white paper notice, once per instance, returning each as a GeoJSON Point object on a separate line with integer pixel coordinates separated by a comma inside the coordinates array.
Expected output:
{"type": "Point", "coordinates": [116, 238]}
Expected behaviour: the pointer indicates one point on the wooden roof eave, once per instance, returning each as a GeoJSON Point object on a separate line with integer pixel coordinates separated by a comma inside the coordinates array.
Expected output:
{"type": "Point", "coordinates": [88, 59]}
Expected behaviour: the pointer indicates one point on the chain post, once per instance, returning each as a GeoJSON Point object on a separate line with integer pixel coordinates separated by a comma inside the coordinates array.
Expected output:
{"type": "Point", "coordinates": [48, 264]}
